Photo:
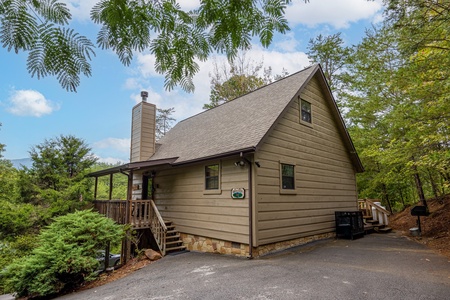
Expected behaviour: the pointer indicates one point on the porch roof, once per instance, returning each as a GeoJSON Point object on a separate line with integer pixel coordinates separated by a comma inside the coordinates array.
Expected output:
{"type": "Point", "coordinates": [133, 166]}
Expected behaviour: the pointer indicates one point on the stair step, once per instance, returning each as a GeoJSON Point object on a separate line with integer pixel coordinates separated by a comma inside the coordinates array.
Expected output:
{"type": "Point", "coordinates": [171, 237]}
{"type": "Point", "coordinates": [175, 248]}
{"type": "Point", "coordinates": [385, 229]}
{"type": "Point", "coordinates": [373, 222]}
{"type": "Point", "coordinates": [368, 229]}
{"type": "Point", "coordinates": [367, 217]}
{"type": "Point", "coordinates": [174, 242]}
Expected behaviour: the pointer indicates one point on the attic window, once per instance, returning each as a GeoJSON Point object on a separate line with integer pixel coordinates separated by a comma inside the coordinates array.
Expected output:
{"type": "Point", "coordinates": [305, 108]}
{"type": "Point", "coordinates": [212, 177]}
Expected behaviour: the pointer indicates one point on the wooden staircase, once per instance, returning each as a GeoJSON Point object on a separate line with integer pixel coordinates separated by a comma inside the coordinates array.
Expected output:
{"type": "Point", "coordinates": [166, 236]}
{"type": "Point", "coordinates": [376, 218]}
{"type": "Point", "coordinates": [173, 240]}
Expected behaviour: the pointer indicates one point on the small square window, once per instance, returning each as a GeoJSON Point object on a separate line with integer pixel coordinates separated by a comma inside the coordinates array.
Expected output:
{"type": "Point", "coordinates": [305, 111]}
{"type": "Point", "coordinates": [287, 177]}
{"type": "Point", "coordinates": [212, 177]}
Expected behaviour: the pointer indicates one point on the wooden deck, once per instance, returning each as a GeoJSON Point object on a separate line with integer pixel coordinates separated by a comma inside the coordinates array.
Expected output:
{"type": "Point", "coordinates": [140, 214]}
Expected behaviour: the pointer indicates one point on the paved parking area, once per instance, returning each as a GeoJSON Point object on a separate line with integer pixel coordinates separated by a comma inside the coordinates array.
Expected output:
{"type": "Point", "coordinates": [373, 267]}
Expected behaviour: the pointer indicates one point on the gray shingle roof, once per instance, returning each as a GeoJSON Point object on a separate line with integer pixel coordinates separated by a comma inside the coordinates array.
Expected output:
{"type": "Point", "coordinates": [234, 126]}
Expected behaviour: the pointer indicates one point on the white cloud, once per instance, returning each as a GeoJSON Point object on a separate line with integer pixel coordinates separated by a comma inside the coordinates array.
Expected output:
{"type": "Point", "coordinates": [187, 5]}
{"type": "Point", "coordinates": [131, 84]}
{"type": "Point", "coordinates": [121, 145]}
{"type": "Point", "coordinates": [30, 103]}
{"type": "Point", "coordinates": [146, 65]}
{"type": "Point", "coordinates": [112, 150]}
{"type": "Point", "coordinates": [288, 43]}
{"type": "Point", "coordinates": [290, 61]}
{"type": "Point", "coordinates": [111, 160]}
{"type": "Point", "coordinates": [80, 9]}
{"type": "Point", "coordinates": [339, 14]}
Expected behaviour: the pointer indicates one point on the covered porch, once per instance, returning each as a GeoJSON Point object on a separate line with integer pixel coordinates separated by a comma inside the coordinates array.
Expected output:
{"type": "Point", "coordinates": [138, 211]}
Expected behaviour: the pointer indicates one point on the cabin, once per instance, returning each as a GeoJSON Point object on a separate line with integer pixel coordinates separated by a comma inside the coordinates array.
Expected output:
{"type": "Point", "coordinates": [263, 172]}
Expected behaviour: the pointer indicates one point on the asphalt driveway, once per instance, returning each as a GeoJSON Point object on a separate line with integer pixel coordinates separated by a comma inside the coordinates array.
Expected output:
{"type": "Point", "coordinates": [373, 267]}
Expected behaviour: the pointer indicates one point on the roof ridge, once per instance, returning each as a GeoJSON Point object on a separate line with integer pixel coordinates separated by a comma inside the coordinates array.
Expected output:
{"type": "Point", "coordinates": [263, 86]}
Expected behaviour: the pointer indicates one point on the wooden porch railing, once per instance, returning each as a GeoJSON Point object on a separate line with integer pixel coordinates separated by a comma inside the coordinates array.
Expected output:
{"type": "Point", "coordinates": [140, 214]}
{"type": "Point", "coordinates": [144, 214]}
{"type": "Point", "coordinates": [370, 208]}
{"type": "Point", "coordinates": [113, 209]}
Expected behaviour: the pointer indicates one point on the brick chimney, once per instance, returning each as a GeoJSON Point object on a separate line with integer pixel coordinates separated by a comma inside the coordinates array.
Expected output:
{"type": "Point", "coordinates": [143, 126]}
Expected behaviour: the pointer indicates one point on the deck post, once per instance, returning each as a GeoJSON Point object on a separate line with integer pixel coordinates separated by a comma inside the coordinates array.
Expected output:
{"type": "Point", "coordinates": [128, 214]}
{"type": "Point", "coordinates": [110, 186]}
{"type": "Point", "coordinates": [95, 188]}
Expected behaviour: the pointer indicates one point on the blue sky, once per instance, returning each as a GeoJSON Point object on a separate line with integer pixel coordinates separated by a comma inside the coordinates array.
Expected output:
{"type": "Point", "coordinates": [33, 110]}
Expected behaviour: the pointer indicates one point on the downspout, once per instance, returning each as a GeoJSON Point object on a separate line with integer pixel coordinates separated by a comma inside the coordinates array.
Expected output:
{"type": "Point", "coordinates": [250, 207]}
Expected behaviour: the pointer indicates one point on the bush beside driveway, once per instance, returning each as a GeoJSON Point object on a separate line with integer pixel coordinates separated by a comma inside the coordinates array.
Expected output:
{"type": "Point", "coordinates": [373, 267]}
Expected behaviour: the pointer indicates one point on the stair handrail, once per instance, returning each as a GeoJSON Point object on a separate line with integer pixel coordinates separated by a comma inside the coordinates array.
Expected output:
{"type": "Point", "coordinates": [158, 227]}
{"type": "Point", "coordinates": [368, 204]}
{"type": "Point", "coordinates": [377, 207]}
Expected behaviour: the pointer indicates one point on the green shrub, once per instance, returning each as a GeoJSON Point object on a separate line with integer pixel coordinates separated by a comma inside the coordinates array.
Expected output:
{"type": "Point", "coordinates": [65, 257]}
{"type": "Point", "coordinates": [15, 248]}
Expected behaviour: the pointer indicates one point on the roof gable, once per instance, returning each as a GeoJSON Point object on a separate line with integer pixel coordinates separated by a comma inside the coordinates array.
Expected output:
{"type": "Point", "coordinates": [241, 124]}
{"type": "Point", "coordinates": [236, 125]}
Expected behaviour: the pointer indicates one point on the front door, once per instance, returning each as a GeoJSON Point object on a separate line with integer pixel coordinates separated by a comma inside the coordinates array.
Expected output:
{"type": "Point", "coordinates": [147, 187]}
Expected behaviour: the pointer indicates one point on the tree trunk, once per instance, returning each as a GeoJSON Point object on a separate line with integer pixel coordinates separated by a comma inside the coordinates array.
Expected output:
{"type": "Point", "coordinates": [403, 200]}
{"type": "Point", "coordinates": [433, 185]}
{"type": "Point", "coordinates": [419, 185]}
{"type": "Point", "coordinates": [386, 197]}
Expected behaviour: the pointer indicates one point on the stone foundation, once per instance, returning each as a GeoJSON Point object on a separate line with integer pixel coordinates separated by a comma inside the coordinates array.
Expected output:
{"type": "Point", "coordinates": [265, 249]}
{"type": "Point", "coordinates": [204, 244]}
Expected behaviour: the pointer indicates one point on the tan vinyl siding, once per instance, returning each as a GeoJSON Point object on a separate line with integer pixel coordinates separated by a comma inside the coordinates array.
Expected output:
{"type": "Point", "coordinates": [181, 198]}
{"type": "Point", "coordinates": [324, 174]}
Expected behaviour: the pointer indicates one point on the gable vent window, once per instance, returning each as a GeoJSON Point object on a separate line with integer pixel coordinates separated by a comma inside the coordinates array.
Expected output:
{"type": "Point", "coordinates": [287, 177]}
{"type": "Point", "coordinates": [305, 111]}
{"type": "Point", "coordinates": [212, 177]}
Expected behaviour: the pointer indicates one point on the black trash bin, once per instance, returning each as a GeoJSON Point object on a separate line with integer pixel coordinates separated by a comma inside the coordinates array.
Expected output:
{"type": "Point", "coordinates": [349, 224]}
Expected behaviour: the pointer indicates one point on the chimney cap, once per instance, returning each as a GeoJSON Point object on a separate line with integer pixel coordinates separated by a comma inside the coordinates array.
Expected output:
{"type": "Point", "coordinates": [144, 95]}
